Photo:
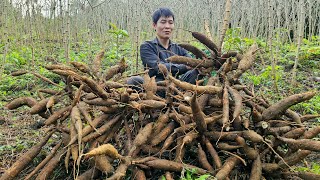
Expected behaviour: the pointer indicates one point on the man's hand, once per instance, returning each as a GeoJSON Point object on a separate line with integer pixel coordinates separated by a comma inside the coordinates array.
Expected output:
{"type": "Point", "coordinates": [189, 68]}
{"type": "Point", "coordinates": [204, 71]}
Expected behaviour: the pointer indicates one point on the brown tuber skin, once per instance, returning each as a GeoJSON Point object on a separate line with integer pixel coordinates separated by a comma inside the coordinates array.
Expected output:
{"type": "Point", "coordinates": [294, 158]}
{"type": "Point", "coordinates": [213, 153]}
{"type": "Point", "coordinates": [237, 102]}
{"type": "Point", "coordinates": [304, 175]}
{"type": "Point", "coordinates": [89, 174]}
{"type": "Point", "coordinates": [163, 134]}
{"type": "Point", "coordinates": [227, 119]}
{"type": "Point", "coordinates": [202, 157]}
{"type": "Point", "coordinates": [311, 133]}
{"type": "Point", "coordinates": [284, 104]}
{"type": "Point", "coordinates": [113, 70]}
{"type": "Point", "coordinates": [227, 167]}
{"type": "Point", "coordinates": [256, 170]}
{"type": "Point", "coordinates": [199, 89]}
{"type": "Point", "coordinates": [25, 159]}
{"type": "Point", "coordinates": [194, 50]}
{"type": "Point", "coordinates": [107, 126]}
{"type": "Point", "coordinates": [45, 161]}
{"type": "Point", "coordinates": [306, 144]}
{"type": "Point", "coordinates": [225, 108]}
{"type": "Point", "coordinates": [249, 152]}
{"type": "Point", "coordinates": [162, 120]}
{"type": "Point", "coordinates": [39, 107]}
{"type": "Point", "coordinates": [143, 135]}
{"type": "Point", "coordinates": [246, 61]}
{"type": "Point", "coordinates": [50, 166]}
{"type": "Point", "coordinates": [57, 115]}
{"type": "Point", "coordinates": [96, 65]}
{"type": "Point", "coordinates": [198, 118]}
{"type": "Point", "coordinates": [195, 63]}
{"type": "Point", "coordinates": [206, 41]}
{"type": "Point", "coordinates": [167, 165]}
{"type": "Point", "coordinates": [16, 103]}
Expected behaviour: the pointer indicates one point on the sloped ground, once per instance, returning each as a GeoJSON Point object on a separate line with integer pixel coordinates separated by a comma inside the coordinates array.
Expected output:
{"type": "Point", "coordinates": [18, 133]}
{"type": "Point", "coordinates": [18, 128]}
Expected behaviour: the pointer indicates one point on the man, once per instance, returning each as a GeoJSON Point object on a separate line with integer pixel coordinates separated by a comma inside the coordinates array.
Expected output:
{"type": "Point", "coordinates": [158, 50]}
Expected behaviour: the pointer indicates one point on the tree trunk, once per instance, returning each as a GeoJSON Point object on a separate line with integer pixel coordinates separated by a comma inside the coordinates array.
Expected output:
{"type": "Point", "coordinates": [271, 28]}
{"type": "Point", "coordinates": [300, 36]}
{"type": "Point", "coordinates": [5, 37]}
{"type": "Point", "coordinates": [226, 21]}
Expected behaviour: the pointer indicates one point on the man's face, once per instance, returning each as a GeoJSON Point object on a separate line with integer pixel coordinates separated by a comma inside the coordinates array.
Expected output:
{"type": "Point", "coordinates": [164, 27]}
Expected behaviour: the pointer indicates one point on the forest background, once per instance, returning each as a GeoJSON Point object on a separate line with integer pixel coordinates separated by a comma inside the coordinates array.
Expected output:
{"type": "Point", "coordinates": [34, 33]}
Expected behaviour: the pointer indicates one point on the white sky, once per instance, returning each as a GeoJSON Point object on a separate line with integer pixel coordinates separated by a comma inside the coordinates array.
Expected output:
{"type": "Point", "coordinates": [44, 5]}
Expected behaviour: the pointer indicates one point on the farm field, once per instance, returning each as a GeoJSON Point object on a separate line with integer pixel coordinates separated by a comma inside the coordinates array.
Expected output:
{"type": "Point", "coordinates": [66, 111]}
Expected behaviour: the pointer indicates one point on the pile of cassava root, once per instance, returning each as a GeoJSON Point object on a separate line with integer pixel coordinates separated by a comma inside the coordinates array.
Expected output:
{"type": "Point", "coordinates": [218, 126]}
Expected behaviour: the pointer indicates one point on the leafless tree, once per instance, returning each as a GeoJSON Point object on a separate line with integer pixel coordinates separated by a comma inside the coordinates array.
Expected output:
{"type": "Point", "coordinates": [63, 22]}
{"type": "Point", "coordinates": [301, 20]}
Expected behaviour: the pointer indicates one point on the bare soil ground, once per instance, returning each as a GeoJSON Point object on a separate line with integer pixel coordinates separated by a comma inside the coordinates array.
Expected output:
{"type": "Point", "coordinates": [17, 134]}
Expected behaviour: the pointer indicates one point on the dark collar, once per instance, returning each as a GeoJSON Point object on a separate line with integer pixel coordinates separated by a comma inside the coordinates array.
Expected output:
{"type": "Point", "coordinates": [156, 41]}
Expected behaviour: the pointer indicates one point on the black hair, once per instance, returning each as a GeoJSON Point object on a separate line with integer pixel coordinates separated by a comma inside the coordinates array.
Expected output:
{"type": "Point", "coordinates": [161, 12]}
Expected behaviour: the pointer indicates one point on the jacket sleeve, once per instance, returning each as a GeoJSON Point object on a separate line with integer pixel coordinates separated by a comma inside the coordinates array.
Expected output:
{"type": "Point", "coordinates": [184, 52]}
{"type": "Point", "coordinates": [150, 59]}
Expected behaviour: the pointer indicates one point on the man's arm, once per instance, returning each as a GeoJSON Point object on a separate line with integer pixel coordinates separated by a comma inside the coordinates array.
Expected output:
{"type": "Point", "coordinates": [184, 52]}
{"type": "Point", "coordinates": [151, 59]}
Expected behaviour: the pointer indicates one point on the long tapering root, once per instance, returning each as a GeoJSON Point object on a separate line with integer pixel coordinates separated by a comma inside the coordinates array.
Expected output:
{"type": "Point", "coordinates": [108, 128]}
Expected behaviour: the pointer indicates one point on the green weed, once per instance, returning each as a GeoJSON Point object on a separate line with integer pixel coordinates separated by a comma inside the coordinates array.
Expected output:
{"type": "Point", "coordinates": [315, 168]}
{"type": "Point", "coordinates": [310, 107]}
{"type": "Point", "coordinates": [191, 174]}
{"type": "Point", "coordinates": [265, 76]}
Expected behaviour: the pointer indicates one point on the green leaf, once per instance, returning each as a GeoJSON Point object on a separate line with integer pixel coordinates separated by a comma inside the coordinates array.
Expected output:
{"type": "Point", "coordinates": [124, 33]}
{"type": "Point", "coordinates": [189, 175]}
{"type": "Point", "coordinates": [237, 40]}
{"type": "Point", "coordinates": [113, 25]}
{"type": "Point", "coordinates": [204, 177]}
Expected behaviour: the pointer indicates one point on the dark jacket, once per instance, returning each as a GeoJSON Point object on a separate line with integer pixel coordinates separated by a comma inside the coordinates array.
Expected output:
{"type": "Point", "coordinates": [152, 53]}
